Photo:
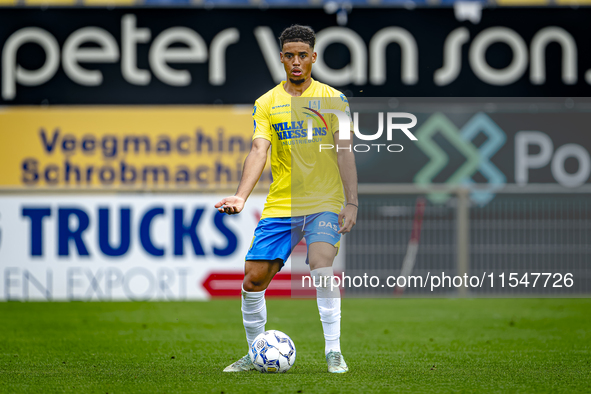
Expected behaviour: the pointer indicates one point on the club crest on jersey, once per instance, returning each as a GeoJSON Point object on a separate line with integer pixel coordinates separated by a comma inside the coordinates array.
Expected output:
{"type": "Point", "coordinates": [314, 104]}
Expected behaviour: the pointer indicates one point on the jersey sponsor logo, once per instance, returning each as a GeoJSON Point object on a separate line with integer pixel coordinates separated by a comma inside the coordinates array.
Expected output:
{"type": "Point", "coordinates": [281, 106]}
{"type": "Point", "coordinates": [286, 126]}
{"type": "Point", "coordinates": [290, 130]}
{"type": "Point", "coordinates": [280, 113]}
{"type": "Point", "coordinates": [290, 134]}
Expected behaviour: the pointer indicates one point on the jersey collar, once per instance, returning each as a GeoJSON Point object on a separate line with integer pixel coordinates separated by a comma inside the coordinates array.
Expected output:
{"type": "Point", "coordinates": [305, 93]}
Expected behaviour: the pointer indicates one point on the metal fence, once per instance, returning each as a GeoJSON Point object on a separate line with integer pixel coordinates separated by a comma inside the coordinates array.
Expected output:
{"type": "Point", "coordinates": [538, 233]}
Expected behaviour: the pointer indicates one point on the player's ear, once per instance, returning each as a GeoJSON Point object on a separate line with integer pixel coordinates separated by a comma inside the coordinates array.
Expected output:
{"type": "Point", "coordinates": [314, 55]}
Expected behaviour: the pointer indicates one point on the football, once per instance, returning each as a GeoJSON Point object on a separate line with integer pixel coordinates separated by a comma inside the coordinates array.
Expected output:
{"type": "Point", "coordinates": [272, 352]}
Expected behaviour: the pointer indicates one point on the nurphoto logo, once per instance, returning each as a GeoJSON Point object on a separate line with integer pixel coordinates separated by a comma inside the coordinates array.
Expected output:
{"type": "Point", "coordinates": [344, 118]}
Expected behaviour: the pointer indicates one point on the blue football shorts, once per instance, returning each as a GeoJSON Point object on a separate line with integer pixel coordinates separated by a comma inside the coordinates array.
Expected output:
{"type": "Point", "coordinates": [275, 238]}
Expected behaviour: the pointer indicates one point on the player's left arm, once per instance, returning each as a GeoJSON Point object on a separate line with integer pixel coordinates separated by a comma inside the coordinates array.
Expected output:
{"type": "Point", "coordinates": [348, 171]}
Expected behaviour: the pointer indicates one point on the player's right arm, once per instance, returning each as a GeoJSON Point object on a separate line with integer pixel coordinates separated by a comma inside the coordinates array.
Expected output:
{"type": "Point", "coordinates": [255, 161]}
{"type": "Point", "coordinates": [253, 168]}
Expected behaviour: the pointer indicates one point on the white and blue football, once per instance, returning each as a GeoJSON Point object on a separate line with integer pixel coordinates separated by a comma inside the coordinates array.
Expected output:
{"type": "Point", "coordinates": [272, 352]}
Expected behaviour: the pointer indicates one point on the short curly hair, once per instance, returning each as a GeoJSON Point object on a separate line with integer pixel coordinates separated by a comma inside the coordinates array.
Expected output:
{"type": "Point", "coordinates": [298, 33]}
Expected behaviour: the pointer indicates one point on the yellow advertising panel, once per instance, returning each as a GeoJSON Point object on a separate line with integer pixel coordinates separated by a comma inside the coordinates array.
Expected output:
{"type": "Point", "coordinates": [98, 147]}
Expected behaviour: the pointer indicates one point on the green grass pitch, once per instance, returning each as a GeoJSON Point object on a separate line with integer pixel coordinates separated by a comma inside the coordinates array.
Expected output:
{"type": "Point", "coordinates": [391, 345]}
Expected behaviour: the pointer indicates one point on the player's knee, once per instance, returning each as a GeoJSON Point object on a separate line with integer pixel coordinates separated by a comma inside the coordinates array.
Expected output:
{"type": "Point", "coordinates": [254, 284]}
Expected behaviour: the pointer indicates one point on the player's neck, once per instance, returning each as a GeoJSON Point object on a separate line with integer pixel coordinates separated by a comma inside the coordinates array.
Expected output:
{"type": "Point", "coordinates": [296, 90]}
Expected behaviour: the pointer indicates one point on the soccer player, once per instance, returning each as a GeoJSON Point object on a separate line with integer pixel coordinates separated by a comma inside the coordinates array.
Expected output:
{"type": "Point", "coordinates": [332, 180]}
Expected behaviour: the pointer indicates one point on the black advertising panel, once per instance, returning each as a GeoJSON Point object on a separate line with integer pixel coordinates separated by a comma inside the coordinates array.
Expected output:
{"type": "Point", "coordinates": [199, 56]}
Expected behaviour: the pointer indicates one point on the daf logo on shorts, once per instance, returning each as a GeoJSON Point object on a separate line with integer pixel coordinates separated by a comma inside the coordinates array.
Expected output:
{"type": "Point", "coordinates": [329, 224]}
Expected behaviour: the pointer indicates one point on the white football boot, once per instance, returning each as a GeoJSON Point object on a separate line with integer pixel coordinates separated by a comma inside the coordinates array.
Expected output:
{"type": "Point", "coordinates": [336, 362]}
{"type": "Point", "coordinates": [242, 365]}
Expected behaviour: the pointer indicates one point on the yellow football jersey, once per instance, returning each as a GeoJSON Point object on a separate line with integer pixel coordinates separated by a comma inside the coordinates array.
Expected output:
{"type": "Point", "coordinates": [306, 179]}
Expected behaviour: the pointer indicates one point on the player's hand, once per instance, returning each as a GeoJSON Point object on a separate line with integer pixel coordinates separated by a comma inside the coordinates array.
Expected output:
{"type": "Point", "coordinates": [347, 218]}
{"type": "Point", "coordinates": [230, 205]}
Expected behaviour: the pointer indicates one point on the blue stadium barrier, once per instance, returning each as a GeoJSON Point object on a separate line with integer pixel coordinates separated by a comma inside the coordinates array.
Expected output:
{"type": "Point", "coordinates": [228, 2]}
{"type": "Point", "coordinates": [450, 2]}
{"type": "Point", "coordinates": [287, 2]}
{"type": "Point", "coordinates": [403, 2]}
{"type": "Point", "coordinates": [167, 2]}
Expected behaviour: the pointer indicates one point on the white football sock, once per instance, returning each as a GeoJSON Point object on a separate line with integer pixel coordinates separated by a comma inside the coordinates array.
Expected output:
{"type": "Point", "coordinates": [254, 314]}
{"type": "Point", "coordinates": [329, 307]}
